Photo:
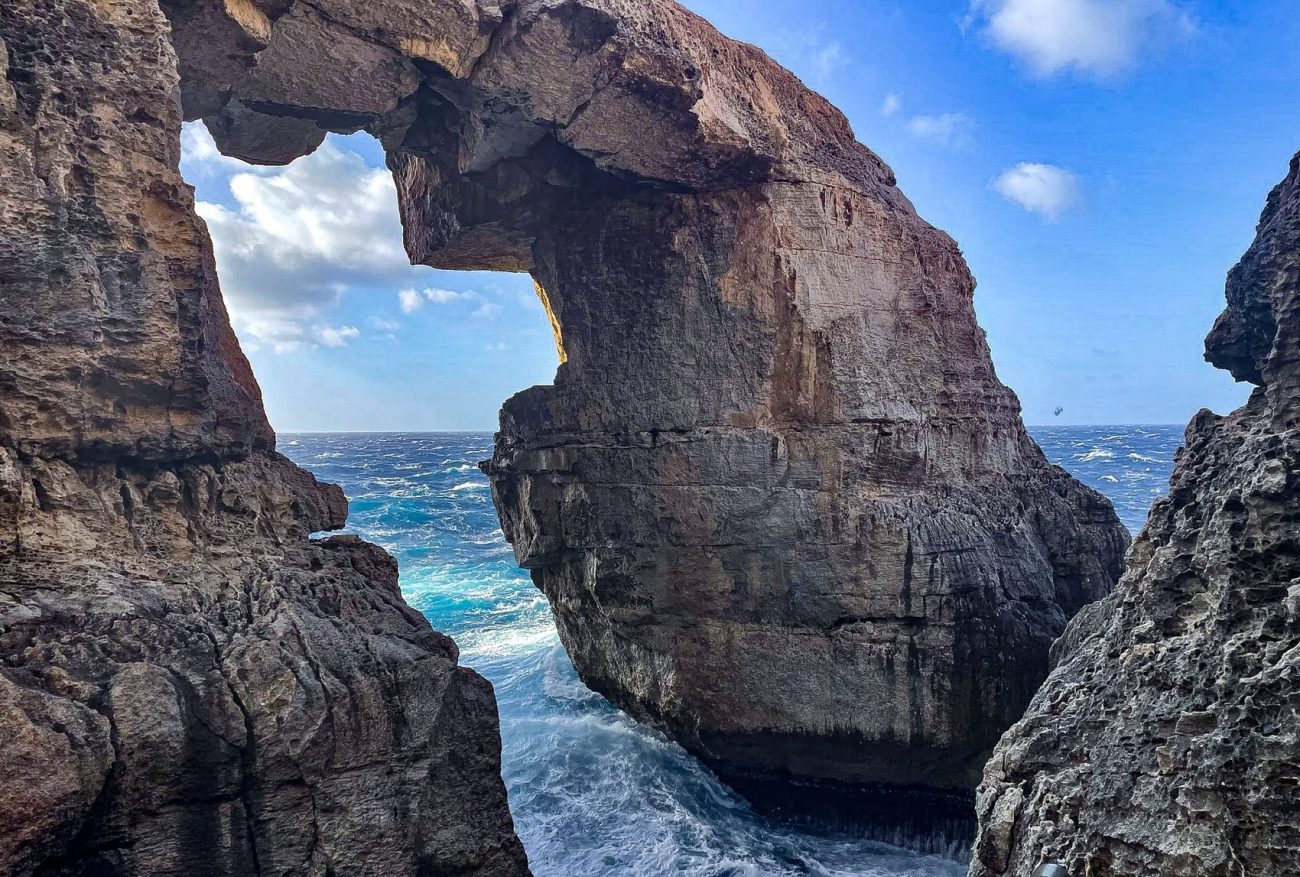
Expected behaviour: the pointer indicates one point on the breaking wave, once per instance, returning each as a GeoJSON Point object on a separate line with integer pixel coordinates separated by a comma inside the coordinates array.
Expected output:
{"type": "Point", "coordinates": [593, 792]}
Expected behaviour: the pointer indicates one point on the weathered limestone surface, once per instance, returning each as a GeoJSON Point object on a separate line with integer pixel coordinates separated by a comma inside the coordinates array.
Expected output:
{"type": "Point", "coordinates": [780, 502]}
{"type": "Point", "coordinates": [1166, 741]}
{"type": "Point", "coordinates": [188, 685]}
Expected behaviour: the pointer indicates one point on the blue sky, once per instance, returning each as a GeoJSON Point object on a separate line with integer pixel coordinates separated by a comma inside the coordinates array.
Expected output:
{"type": "Point", "coordinates": [1101, 162]}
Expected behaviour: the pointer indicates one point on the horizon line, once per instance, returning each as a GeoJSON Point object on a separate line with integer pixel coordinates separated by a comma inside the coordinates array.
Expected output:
{"type": "Point", "coordinates": [280, 432]}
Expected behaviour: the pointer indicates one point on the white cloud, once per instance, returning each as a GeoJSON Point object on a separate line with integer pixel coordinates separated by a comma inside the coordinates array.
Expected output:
{"type": "Point", "coordinates": [1039, 188]}
{"type": "Point", "coordinates": [1102, 38]}
{"type": "Point", "coordinates": [201, 158]}
{"type": "Point", "coordinates": [810, 50]}
{"type": "Point", "coordinates": [442, 296]}
{"type": "Point", "coordinates": [336, 336]}
{"type": "Point", "coordinates": [829, 59]}
{"type": "Point", "coordinates": [295, 238]}
{"type": "Point", "coordinates": [409, 300]}
{"type": "Point", "coordinates": [891, 104]}
{"type": "Point", "coordinates": [946, 129]}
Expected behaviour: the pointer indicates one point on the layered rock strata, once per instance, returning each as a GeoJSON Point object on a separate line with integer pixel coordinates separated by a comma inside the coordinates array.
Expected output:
{"type": "Point", "coordinates": [188, 684]}
{"type": "Point", "coordinates": [780, 502]}
{"type": "Point", "coordinates": [1166, 740]}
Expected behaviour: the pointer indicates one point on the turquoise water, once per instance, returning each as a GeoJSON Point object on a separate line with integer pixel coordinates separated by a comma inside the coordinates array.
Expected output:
{"type": "Point", "coordinates": [592, 792]}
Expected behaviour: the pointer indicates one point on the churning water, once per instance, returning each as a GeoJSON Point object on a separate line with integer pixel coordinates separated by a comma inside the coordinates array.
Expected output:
{"type": "Point", "coordinates": [592, 792]}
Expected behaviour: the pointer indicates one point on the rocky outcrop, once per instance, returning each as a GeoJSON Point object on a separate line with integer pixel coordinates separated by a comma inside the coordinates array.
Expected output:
{"type": "Point", "coordinates": [188, 684]}
{"type": "Point", "coordinates": [1166, 741]}
{"type": "Point", "coordinates": [778, 498]}
{"type": "Point", "coordinates": [780, 502]}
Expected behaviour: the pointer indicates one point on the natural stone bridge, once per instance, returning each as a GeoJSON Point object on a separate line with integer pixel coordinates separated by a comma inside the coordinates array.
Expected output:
{"type": "Point", "coordinates": [777, 497]}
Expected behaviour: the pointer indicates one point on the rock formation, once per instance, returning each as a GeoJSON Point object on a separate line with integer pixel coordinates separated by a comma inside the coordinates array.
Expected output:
{"type": "Point", "coordinates": [188, 685]}
{"type": "Point", "coordinates": [1166, 741]}
{"type": "Point", "coordinates": [780, 502]}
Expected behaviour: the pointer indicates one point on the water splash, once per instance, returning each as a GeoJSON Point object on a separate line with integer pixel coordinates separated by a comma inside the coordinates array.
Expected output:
{"type": "Point", "coordinates": [592, 792]}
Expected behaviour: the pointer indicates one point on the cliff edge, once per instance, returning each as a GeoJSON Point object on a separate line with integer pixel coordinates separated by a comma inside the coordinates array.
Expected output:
{"type": "Point", "coordinates": [1166, 742]}
{"type": "Point", "coordinates": [188, 683]}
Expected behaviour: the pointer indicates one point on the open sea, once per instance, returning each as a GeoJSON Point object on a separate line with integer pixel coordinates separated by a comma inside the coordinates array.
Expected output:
{"type": "Point", "coordinates": [592, 792]}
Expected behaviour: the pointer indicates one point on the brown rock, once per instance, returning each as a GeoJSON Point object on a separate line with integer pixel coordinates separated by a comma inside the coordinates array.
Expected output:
{"type": "Point", "coordinates": [1165, 741]}
{"type": "Point", "coordinates": [188, 684]}
{"type": "Point", "coordinates": [777, 497]}
{"type": "Point", "coordinates": [779, 501]}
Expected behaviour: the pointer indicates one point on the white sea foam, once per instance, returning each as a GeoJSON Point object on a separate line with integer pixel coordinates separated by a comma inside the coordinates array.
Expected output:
{"type": "Point", "coordinates": [594, 793]}
{"type": "Point", "coordinates": [500, 641]}
{"type": "Point", "coordinates": [1142, 458]}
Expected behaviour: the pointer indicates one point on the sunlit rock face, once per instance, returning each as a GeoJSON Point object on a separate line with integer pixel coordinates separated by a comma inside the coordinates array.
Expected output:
{"type": "Point", "coordinates": [1166, 740]}
{"type": "Point", "coordinates": [780, 502]}
{"type": "Point", "coordinates": [188, 685]}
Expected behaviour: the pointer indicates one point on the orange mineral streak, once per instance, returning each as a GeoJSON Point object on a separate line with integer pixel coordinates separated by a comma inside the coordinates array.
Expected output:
{"type": "Point", "coordinates": [554, 320]}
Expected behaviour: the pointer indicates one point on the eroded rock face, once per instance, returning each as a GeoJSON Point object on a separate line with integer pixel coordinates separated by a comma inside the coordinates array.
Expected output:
{"type": "Point", "coordinates": [780, 502]}
{"type": "Point", "coordinates": [1166, 740]}
{"type": "Point", "coordinates": [187, 683]}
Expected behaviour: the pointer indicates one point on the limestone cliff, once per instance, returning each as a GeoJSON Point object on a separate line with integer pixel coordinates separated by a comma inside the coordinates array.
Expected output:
{"type": "Point", "coordinates": [1166, 742]}
{"type": "Point", "coordinates": [780, 502]}
{"type": "Point", "coordinates": [188, 685]}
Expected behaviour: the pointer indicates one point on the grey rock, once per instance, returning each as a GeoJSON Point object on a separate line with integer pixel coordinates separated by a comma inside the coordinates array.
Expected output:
{"type": "Point", "coordinates": [1165, 742]}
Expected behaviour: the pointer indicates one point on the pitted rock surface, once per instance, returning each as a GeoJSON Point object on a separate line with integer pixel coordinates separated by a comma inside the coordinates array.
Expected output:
{"type": "Point", "coordinates": [1166, 740]}
{"type": "Point", "coordinates": [778, 499]}
{"type": "Point", "coordinates": [188, 684]}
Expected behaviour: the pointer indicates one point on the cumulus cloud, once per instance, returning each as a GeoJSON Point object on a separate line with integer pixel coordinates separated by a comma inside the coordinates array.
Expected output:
{"type": "Point", "coordinates": [1102, 38]}
{"type": "Point", "coordinates": [293, 239]}
{"type": "Point", "coordinates": [442, 296]}
{"type": "Point", "coordinates": [891, 104]}
{"type": "Point", "coordinates": [946, 129]}
{"type": "Point", "coordinates": [1044, 189]}
{"type": "Point", "coordinates": [336, 336]}
{"type": "Point", "coordinates": [411, 300]}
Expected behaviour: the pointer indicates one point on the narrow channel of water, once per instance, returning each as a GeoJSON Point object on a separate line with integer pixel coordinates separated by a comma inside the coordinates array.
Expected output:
{"type": "Point", "coordinates": [592, 792]}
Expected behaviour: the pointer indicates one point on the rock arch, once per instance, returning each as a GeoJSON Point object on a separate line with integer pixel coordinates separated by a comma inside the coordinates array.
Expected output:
{"type": "Point", "coordinates": [779, 500]}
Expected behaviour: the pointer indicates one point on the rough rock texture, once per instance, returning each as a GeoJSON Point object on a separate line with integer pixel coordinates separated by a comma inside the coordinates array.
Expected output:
{"type": "Point", "coordinates": [778, 498]}
{"type": "Point", "coordinates": [1166, 741]}
{"type": "Point", "coordinates": [188, 685]}
{"type": "Point", "coordinates": [780, 502]}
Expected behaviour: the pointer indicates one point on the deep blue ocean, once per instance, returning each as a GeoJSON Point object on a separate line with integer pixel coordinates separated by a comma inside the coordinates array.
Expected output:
{"type": "Point", "coordinates": [592, 792]}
